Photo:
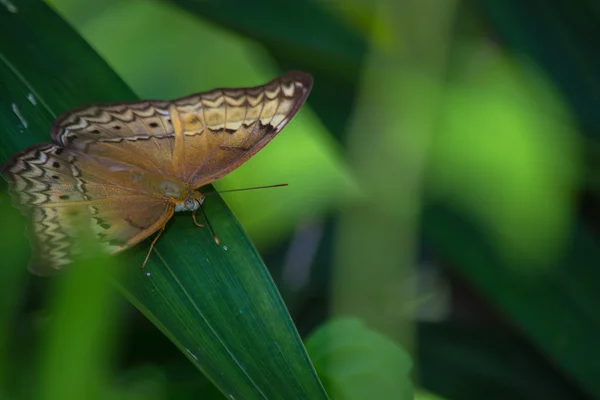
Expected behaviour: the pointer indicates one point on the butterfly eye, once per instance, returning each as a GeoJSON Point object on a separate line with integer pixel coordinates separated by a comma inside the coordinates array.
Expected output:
{"type": "Point", "coordinates": [189, 204]}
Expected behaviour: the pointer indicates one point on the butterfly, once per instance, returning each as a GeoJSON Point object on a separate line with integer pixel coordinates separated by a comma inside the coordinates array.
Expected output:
{"type": "Point", "coordinates": [128, 167]}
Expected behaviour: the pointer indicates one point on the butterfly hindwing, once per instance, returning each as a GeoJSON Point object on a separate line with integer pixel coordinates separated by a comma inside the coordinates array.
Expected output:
{"type": "Point", "coordinates": [58, 188]}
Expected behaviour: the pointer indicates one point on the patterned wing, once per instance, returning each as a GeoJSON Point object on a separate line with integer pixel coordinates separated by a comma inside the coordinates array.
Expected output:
{"type": "Point", "coordinates": [138, 134]}
{"type": "Point", "coordinates": [197, 139]}
{"type": "Point", "coordinates": [51, 185]}
{"type": "Point", "coordinates": [217, 131]}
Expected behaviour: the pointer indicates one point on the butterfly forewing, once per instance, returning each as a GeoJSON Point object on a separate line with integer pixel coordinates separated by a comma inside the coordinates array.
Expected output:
{"type": "Point", "coordinates": [196, 139]}
{"type": "Point", "coordinates": [218, 131]}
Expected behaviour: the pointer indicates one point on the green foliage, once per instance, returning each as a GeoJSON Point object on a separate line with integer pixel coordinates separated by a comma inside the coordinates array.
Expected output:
{"type": "Point", "coordinates": [76, 348]}
{"type": "Point", "coordinates": [356, 363]}
{"type": "Point", "coordinates": [493, 117]}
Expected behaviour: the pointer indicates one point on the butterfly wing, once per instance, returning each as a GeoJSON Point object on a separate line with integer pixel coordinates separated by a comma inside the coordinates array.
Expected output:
{"type": "Point", "coordinates": [52, 186]}
{"type": "Point", "coordinates": [197, 138]}
{"type": "Point", "coordinates": [217, 131]}
{"type": "Point", "coordinates": [136, 134]}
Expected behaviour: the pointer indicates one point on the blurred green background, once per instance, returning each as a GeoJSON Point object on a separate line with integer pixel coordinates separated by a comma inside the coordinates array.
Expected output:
{"type": "Point", "coordinates": [439, 236]}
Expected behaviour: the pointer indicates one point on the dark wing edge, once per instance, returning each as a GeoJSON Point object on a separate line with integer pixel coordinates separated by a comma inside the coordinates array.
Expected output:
{"type": "Point", "coordinates": [303, 81]}
{"type": "Point", "coordinates": [72, 115]}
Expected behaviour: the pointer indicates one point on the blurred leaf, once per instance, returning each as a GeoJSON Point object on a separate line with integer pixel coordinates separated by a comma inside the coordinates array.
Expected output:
{"type": "Point", "coordinates": [12, 276]}
{"type": "Point", "coordinates": [495, 154]}
{"type": "Point", "coordinates": [356, 363]}
{"type": "Point", "coordinates": [425, 395]}
{"type": "Point", "coordinates": [77, 347]}
{"type": "Point", "coordinates": [325, 43]}
{"type": "Point", "coordinates": [463, 360]}
{"type": "Point", "coordinates": [143, 383]}
{"type": "Point", "coordinates": [504, 169]}
{"type": "Point", "coordinates": [557, 310]}
{"type": "Point", "coordinates": [362, 16]}
{"type": "Point", "coordinates": [218, 304]}
{"type": "Point", "coordinates": [562, 41]}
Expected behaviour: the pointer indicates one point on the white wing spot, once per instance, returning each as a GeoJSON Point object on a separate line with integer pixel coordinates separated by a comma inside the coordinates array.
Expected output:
{"type": "Point", "coordinates": [148, 274]}
{"type": "Point", "coordinates": [18, 113]}
{"type": "Point", "coordinates": [225, 248]}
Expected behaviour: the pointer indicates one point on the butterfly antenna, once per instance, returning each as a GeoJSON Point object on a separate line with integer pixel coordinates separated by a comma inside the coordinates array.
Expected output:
{"type": "Point", "coordinates": [241, 190]}
{"type": "Point", "coordinates": [217, 241]}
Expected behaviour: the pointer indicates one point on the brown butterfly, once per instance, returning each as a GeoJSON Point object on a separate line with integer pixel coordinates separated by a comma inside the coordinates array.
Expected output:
{"type": "Point", "coordinates": [130, 166]}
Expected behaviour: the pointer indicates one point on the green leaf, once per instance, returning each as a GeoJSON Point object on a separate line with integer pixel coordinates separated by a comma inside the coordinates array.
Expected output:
{"type": "Point", "coordinates": [463, 361]}
{"type": "Point", "coordinates": [357, 363]}
{"type": "Point", "coordinates": [329, 43]}
{"type": "Point", "coordinates": [77, 344]}
{"type": "Point", "coordinates": [556, 310]}
{"type": "Point", "coordinates": [12, 275]}
{"type": "Point", "coordinates": [218, 304]}
{"type": "Point", "coordinates": [503, 209]}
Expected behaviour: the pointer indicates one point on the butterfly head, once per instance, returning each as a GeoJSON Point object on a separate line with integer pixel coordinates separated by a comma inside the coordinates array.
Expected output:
{"type": "Point", "coordinates": [190, 203]}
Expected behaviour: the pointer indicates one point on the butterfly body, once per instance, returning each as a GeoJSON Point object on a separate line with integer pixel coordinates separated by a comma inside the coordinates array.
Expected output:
{"type": "Point", "coordinates": [127, 167]}
{"type": "Point", "coordinates": [189, 203]}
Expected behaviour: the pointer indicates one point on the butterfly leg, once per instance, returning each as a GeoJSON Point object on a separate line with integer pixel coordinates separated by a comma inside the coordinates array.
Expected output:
{"type": "Point", "coordinates": [152, 245]}
{"type": "Point", "coordinates": [196, 222]}
{"type": "Point", "coordinates": [217, 241]}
